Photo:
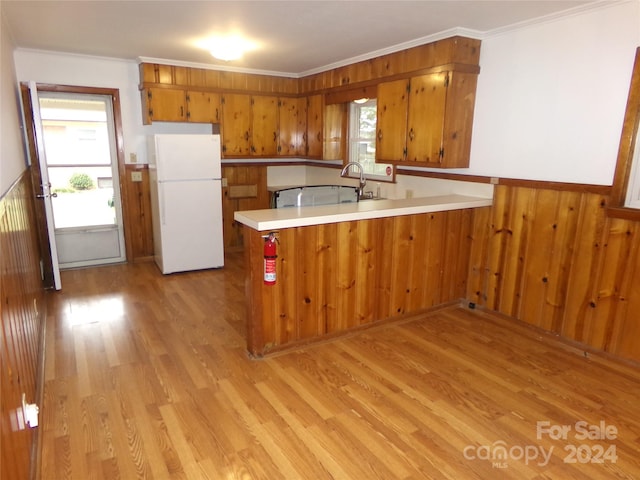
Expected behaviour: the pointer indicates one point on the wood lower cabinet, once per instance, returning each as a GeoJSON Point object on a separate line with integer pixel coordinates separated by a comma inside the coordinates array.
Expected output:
{"type": "Point", "coordinates": [334, 278]}
{"type": "Point", "coordinates": [426, 120]}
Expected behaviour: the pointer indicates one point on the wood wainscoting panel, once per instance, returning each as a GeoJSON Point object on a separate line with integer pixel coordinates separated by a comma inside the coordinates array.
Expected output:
{"type": "Point", "coordinates": [23, 311]}
{"type": "Point", "coordinates": [238, 178]}
{"type": "Point", "coordinates": [140, 228]}
{"type": "Point", "coordinates": [554, 259]}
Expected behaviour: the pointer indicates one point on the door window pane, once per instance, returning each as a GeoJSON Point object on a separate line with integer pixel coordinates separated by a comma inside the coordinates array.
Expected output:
{"type": "Point", "coordinates": [76, 139]}
{"type": "Point", "coordinates": [75, 131]}
{"type": "Point", "coordinates": [84, 196]}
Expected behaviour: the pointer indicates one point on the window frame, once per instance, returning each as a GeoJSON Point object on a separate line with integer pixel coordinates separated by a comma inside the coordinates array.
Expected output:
{"type": "Point", "coordinates": [627, 173]}
{"type": "Point", "coordinates": [353, 114]}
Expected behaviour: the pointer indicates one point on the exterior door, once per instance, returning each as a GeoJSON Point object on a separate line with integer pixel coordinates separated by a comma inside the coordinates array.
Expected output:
{"type": "Point", "coordinates": [82, 168]}
{"type": "Point", "coordinates": [79, 169]}
{"type": "Point", "coordinates": [45, 184]}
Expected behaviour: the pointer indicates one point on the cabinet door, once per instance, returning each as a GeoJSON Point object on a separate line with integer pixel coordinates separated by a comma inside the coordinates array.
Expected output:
{"type": "Point", "coordinates": [264, 120]}
{"type": "Point", "coordinates": [301, 126]}
{"type": "Point", "coordinates": [458, 119]}
{"type": "Point", "coordinates": [236, 124]}
{"type": "Point", "coordinates": [392, 121]}
{"type": "Point", "coordinates": [313, 137]}
{"type": "Point", "coordinates": [427, 100]}
{"type": "Point", "coordinates": [335, 131]}
{"type": "Point", "coordinates": [166, 104]}
{"type": "Point", "coordinates": [292, 126]}
{"type": "Point", "coordinates": [203, 107]}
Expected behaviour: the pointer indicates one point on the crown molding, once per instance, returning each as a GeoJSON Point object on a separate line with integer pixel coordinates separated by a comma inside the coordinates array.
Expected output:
{"type": "Point", "coordinates": [223, 68]}
{"type": "Point", "coordinates": [70, 54]}
{"type": "Point", "coordinates": [552, 17]}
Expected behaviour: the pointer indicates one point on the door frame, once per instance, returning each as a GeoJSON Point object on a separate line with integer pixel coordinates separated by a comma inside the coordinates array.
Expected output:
{"type": "Point", "coordinates": [114, 94]}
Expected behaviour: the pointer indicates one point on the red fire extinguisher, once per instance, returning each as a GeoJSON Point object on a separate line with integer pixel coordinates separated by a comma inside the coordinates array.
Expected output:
{"type": "Point", "coordinates": [270, 259]}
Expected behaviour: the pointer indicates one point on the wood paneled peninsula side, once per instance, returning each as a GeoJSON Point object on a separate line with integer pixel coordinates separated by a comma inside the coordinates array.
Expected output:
{"type": "Point", "coordinates": [346, 267]}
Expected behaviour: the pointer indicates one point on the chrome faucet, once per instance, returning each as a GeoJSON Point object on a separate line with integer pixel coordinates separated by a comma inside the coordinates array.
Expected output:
{"type": "Point", "coordinates": [363, 181]}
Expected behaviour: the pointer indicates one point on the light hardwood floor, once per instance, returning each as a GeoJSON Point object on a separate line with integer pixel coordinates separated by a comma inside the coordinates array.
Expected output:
{"type": "Point", "coordinates": [147, 377]}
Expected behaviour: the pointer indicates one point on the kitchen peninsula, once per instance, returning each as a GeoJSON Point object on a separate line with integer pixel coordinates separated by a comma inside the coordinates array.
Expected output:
{"type": "Point", "coordinates": [345, 267]}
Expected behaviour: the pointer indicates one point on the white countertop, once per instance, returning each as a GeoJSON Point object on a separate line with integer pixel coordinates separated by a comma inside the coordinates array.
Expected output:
{"type": "Point", "coordinates": [274, 219]}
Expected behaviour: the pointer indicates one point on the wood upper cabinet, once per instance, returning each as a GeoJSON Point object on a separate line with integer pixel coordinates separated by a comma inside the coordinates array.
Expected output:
{"type": "Point", "coordinates": [426, 120]}
{"type": "Point", "coordinates": [391, 138]}
{"type": "Point", "coordinates": [458, 119]}
{"type": "Point", "coordinates": [335, 128]}
{"type": "Point", "coordinates": [292, 126]}
{"type": "Point", "coordinates": [314, 128]}
{"type": "Point", "coordinates": [164, 104]}
{"type": "Point", "coordinates": [264, 122]}
{"type": "Point", "coordinates": [176, 105]}
{"type": "Point", "coordinates": [203, 107]}
{"type": "Point", "coordinates": [236, 124]}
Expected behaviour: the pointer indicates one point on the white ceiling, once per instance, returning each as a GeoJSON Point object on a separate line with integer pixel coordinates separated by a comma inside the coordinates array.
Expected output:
{"type": "Point", "coordinates": [297, 37]}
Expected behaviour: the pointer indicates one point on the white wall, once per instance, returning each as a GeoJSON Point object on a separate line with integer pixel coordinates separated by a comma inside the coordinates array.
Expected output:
{"type": "Point", "coordinates": [549, 106]}
{"type": "Point", "coordinates": [12, 157]}
{"type": "Point", "coordinates": [78, 70]}
{"type": "Point", "coordinates": [405, 186]}
{"type": "Point", "coordinates": [551, 97]}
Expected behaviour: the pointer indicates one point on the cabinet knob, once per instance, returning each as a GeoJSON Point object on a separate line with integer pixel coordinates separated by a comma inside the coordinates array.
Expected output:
{"type": "Point", "coordinates": [380, 134]}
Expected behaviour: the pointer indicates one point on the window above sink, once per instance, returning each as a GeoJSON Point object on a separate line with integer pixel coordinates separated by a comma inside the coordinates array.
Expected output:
{"type": "Point", "coordinates": [362, 140]}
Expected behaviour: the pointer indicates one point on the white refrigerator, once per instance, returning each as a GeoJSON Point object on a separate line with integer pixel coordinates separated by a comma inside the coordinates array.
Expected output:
{"type": "Point", "coordinates": [186, 201]}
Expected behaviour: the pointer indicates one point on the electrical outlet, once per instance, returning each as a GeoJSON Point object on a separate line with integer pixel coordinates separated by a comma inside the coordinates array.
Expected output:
{"type": "Point", "coordinates": [133, 158]}
{"type": "Point", "coordinates": [225, 183]}
{"type": "Point", "coordinates": [136, 176]}
{"type": "Point", "coordinates": [29, 412]}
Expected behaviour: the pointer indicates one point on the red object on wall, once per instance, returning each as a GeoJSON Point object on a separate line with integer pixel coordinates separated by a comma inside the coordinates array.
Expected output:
{"type": "Point", "coordinates": [270, 255]}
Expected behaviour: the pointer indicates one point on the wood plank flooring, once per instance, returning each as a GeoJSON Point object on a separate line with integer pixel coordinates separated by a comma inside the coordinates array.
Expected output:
{"type": "Point", "coordinates": [147, 377]}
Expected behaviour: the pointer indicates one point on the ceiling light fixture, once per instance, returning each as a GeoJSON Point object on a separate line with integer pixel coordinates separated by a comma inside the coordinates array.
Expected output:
{"type": "Point", "coordinates": [228, 48]}
{"type": "Point", "coordinates": [360, 101]}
